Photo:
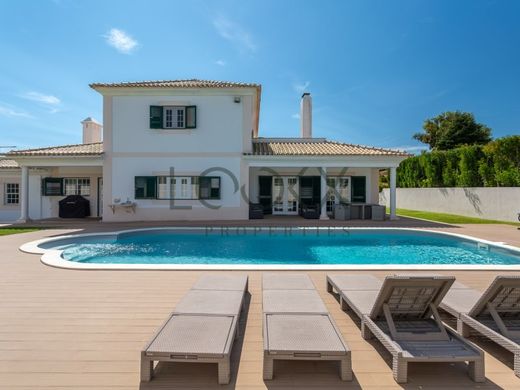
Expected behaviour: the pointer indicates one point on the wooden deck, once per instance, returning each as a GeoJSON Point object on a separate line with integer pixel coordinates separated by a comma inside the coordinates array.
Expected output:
{"type": "Point", "coordinates": [65, 329]}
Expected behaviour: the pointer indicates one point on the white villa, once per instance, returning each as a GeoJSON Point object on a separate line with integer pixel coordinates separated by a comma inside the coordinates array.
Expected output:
{"type": "Point", "coordinates": [190, 150]}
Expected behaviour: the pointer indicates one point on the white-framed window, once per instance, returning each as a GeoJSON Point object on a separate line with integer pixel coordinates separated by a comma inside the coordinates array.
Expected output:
{"type": "Point", "coordinates": [166, 187]}
{"type": "Point", "coordinates": [76, 186]}
{"type": "Point", "coordinates": [195, 188]}
{"type": "Point", "coordinates": [174, 117]}
{"type": "Point", "coordinates": [12, 193]}
{"type": "Point", "coordinates": [177, 187]}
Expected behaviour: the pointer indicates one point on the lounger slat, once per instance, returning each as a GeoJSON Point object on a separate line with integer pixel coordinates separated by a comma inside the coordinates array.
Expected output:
{"type": "Point", "coordinates": [192, 334]}
{"type": "Point", "coordinates": [221, 282]}
{"type": "Point", "coordinates": [275, 281]}
{"type": "Point", "coordinates": [301, 333]}
{"type": "Point", "coordinates": [211, 302]}
{"type": "Point", "coordinates": [293, 301]}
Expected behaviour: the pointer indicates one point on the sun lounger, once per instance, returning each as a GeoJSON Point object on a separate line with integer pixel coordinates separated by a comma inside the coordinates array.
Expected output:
{"type": "Point", "coordinates": [297, 325]}
{"type": "Point", "coordinates": [202, 328]}
{"type": "Point", "coordinates": [494, 313]}
{"type": "Point", "coordinates": [401, 313]}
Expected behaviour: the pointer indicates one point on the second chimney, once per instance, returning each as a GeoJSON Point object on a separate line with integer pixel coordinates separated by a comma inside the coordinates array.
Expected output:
{"type": "Point", "coordinates": [306, 115]}
{"type": "Point", "coordinates": [92, 130]}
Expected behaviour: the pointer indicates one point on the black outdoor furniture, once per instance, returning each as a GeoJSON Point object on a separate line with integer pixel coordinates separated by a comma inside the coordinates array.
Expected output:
{"type": "Point", "coordinates": [256, 211]}
{"type": "Point", "coordinates": [310, 211]}
{"type": "Point", "coordinates": [74, 206]}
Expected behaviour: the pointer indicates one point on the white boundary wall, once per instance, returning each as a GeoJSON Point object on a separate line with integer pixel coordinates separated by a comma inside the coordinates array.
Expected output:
{"type": "Point", "coordinates": [500, 203]}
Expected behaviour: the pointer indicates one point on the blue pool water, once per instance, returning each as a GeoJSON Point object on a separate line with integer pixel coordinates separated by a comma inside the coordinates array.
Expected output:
{"type": "Point", "coordinates": [282, 247]}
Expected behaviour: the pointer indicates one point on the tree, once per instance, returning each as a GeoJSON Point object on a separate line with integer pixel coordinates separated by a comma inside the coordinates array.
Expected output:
{"type": "Point", "coordinates": [452, 129]}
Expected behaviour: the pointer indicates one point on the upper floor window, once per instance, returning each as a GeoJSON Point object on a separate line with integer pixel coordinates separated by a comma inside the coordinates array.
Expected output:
{"type": "Point", "coordinates": [12, 193]}
{"type": "Point", "coordinates": [173, 117]}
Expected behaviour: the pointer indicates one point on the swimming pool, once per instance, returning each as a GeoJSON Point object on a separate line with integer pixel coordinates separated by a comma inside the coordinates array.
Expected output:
{"type": "Point", "coordinates": [274, 248]}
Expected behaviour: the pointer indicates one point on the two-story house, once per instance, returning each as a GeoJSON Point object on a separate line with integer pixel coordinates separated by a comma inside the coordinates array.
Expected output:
{"type": "Point", "coordinates": [190, 150]}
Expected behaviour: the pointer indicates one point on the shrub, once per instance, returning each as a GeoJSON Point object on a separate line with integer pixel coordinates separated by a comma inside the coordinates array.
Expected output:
{"type": "Point", "coordinates": [495, 164]}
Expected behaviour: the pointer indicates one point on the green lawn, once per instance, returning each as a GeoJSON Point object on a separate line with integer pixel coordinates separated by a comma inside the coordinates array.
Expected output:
{"type": "Point", "coordinates": [9, 230]}
{"type": "Point", "coordinates": [448, 218]}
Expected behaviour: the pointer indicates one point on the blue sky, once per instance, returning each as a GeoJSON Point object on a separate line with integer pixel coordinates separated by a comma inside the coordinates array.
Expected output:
{"type": "Point", "coordinates": [375, 69]}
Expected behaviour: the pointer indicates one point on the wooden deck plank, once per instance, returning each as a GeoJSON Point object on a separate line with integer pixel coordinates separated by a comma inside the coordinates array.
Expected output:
{"type": "Point", "coordinates": [65, 329]}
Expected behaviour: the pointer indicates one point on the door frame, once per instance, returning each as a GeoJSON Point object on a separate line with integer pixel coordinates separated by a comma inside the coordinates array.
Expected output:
{"type": "Point", "coordinates": [285, 193]}
{"type": "Point", "coordinates": [100, 197]}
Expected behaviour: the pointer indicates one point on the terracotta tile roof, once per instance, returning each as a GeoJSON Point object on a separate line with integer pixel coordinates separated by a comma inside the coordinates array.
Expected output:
{"type": "Point", "coordinates": [95, 149]}
{"type": "Point", "coordinates": [190, 83]}
{"type": "Point", "coordinates": [316, 147]}
{"type": "Point", "coordinates": [8, 164]}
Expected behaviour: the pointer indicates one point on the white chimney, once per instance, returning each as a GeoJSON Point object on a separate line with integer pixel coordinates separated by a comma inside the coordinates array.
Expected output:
{"type": "Point", "coordinates": [306, 115]}
{"type": "Point", "coordinates": [92, 131]}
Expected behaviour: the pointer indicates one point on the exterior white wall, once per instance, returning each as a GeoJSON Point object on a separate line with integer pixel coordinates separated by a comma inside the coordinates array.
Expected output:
{"type": "Point", "coordinates": [131, 149]}
{"type": "Point", "coordinates": [42, 207]}
{"type": "Point", "coordinates": [498, 203]}
{"type": "Point", "coordinates": [229, 206]}
{"type": "Point", "coordinates": [8, 212]}
{"type": "Point", "coordinates": [220, 126]}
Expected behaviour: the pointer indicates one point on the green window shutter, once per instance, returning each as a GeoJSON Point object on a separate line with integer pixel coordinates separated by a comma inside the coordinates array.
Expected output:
{"type": "Point", "coordinates": [204, 187]}
{"type": "Point", "coordinates": [52, 186]}
{"type": "Point", "coordinates": [209, 187]}
{"type": "Point", "coordinates": [359, 190]}
{"type": "Point", "coordinates": [191, 117]}
{"type": "Point", "coordinates": [156, 117]}
{"type": "Point", "coordinates": [215, 188]}
{"type": "Point", "coordinates": [145, 187]}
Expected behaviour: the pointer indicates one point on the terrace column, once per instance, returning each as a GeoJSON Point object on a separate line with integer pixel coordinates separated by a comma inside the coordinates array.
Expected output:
{"type": "Point", "coordinates": [323, 195]}
{"type": "Point", "coordinates": [392, 193]}
{"type": "Point", "coordinates": [24, 196]}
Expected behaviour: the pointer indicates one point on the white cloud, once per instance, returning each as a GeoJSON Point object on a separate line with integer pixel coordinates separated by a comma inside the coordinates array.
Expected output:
{"type": "Point", "coordinates": [50, 100]}
{"type": "Point", "coordinates": [121, 41]}
{"type": "Point", "coordinates": [12, 112]}
{"type": "Point", "coordinates": [301, 87]}
{"type": "Point", "coordinates": [411, 149]}
{"type": "Point", "coordinates": [220, 62]}
{"type": "Point", "coordinates": [295, 116]}
{"type": "Point", "coordinates": [234, 33]}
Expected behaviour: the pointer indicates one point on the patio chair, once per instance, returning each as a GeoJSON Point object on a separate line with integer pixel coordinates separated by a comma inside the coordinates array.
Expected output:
{"type": "Point", "coordinates": [401, 313]}
{"type": "Point", "coordinates": [297, 325]}
{"type": "Point", "coordinates": [495, 313]}
{"type": "Point", "coordinates": [310, 211]}
{"type": "Point", "coordinates": [256, 211]}
{"type": "Point", "coordinates": [202, 328]}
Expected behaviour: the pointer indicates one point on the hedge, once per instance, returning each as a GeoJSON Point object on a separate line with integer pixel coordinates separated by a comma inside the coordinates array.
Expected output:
{"type": "Point", "coordinates": [496, 164]}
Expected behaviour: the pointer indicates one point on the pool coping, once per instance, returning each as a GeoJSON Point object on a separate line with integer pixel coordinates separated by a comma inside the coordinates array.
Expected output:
{"type": "Point", "coordinates": [53, 257]}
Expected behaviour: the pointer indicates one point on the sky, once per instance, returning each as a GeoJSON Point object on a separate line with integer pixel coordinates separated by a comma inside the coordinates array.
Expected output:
{"type": "Point", "coordinates": [375, 69]}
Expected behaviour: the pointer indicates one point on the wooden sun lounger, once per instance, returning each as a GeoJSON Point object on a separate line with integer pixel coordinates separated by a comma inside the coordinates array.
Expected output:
{"type": "Point", "coordinates": [202, 328]}
{"type": "Point", "coordinates": [297, 325]}
{"type": "Point", "coordinates": [495, 313]}
{"type": "Point", "coordinates": [401, 313]}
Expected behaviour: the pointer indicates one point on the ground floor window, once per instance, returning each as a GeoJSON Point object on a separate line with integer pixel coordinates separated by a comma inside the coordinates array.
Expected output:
{"type": "Point", "coordinates": [177, 187]}
{"type": "Point", "coordinates": [59, 186]}
{"type": "Point", "coordinates": [76, 186]}
{"type": "Point", "coordinates": [12, 193]}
